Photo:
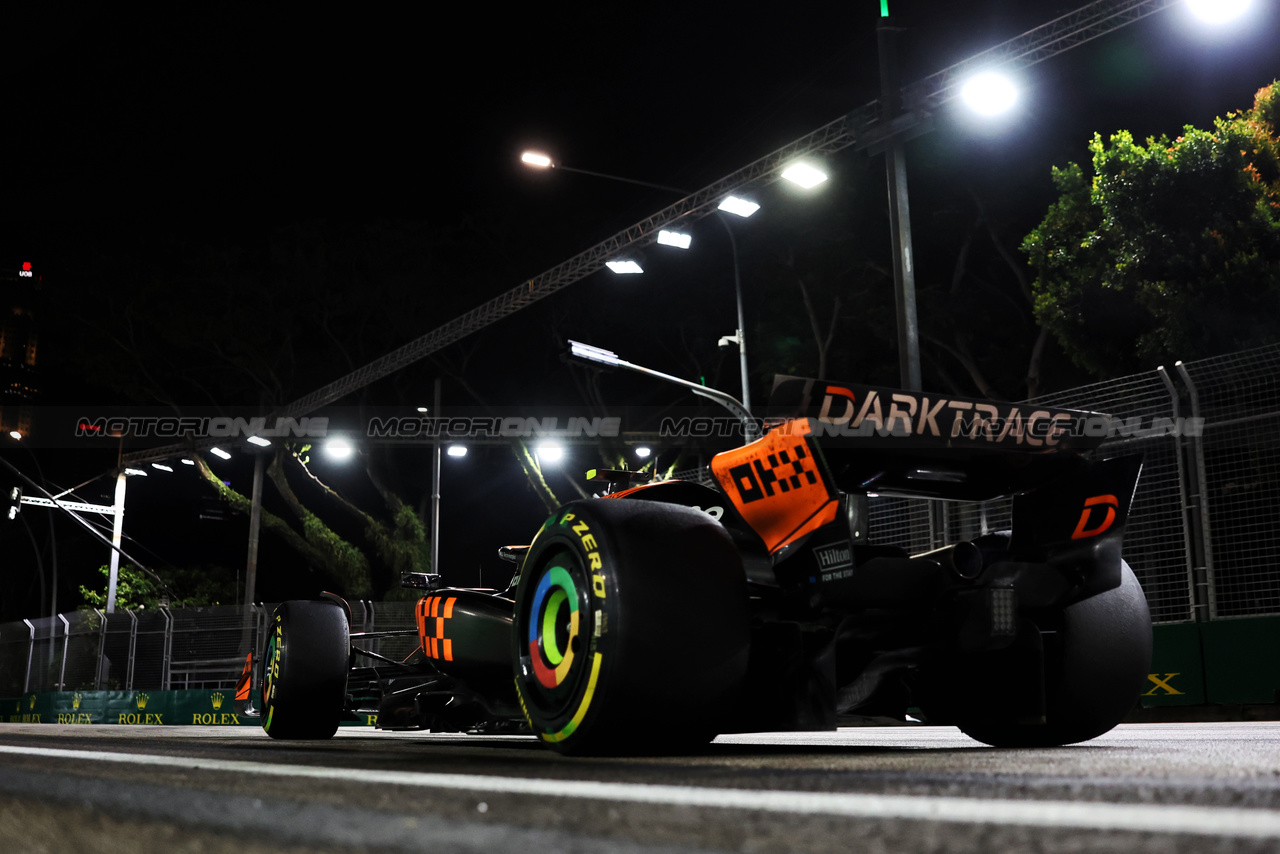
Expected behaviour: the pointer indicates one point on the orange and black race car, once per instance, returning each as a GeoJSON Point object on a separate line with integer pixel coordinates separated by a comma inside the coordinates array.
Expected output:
{"type": "Point", "coordinates": [662, 614]}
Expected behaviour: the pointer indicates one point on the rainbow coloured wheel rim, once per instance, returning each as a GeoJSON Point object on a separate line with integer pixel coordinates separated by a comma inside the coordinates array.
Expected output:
{"type": "Point", "coordinates": [552, 627]}
{"type": "Point", "coordinates": [270, 668]}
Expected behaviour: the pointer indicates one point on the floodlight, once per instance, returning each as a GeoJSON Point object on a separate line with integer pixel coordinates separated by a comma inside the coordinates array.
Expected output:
{"type": "Point", "coordinates": [738, 206]}
{"type": "Point", "coordinates": [624, 266]}
{"type": "Point", "coordinates": [989, 93]}
{"type": "Point", "coordinates": [1218, 11]}
{"type": "Point", "coordinates": [678, 239]}
{"type": "Point", "coordinates": [804, 174]}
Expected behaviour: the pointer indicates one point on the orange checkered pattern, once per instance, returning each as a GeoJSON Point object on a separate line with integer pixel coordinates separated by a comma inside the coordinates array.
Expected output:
{"type": "Point", "coordinates": [432, 612]}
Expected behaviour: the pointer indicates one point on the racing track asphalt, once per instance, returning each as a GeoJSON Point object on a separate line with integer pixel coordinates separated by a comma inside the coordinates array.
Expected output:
{"type": "Point", "coordinates": [1150, 787]}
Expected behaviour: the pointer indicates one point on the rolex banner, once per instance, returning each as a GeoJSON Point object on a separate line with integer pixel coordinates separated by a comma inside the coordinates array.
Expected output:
{"type": "Point", "coordinates": [131, 708]}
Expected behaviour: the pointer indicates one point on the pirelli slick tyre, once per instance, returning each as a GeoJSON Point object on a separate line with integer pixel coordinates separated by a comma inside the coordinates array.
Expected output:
{"type": "Point", "coordinates": [631, 628]}
{"type": "Point", "coordinates": [304, 669]}
{"type": "Point", "coordinates": [1096, 666]}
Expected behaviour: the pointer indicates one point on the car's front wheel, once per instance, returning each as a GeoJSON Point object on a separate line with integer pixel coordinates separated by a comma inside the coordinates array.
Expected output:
{"type": "Point", "coordinates": [304, 669]}
{"type": "Point", "coordinates": [631, 631]}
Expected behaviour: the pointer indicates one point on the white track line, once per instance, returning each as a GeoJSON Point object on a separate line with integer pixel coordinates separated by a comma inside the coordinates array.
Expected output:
{"type": "Point", "coordinates": [1144, 818]}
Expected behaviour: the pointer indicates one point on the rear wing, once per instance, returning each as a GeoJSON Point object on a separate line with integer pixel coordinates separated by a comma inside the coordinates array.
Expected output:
{"type": "Point", "coordinates": [892, 441]}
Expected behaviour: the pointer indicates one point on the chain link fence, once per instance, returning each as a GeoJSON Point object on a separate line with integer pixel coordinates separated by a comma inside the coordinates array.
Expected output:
{"type": "Point", "coordinates": [1236, 478]}
{"type": "Point", "coordinates": [1203, 538]}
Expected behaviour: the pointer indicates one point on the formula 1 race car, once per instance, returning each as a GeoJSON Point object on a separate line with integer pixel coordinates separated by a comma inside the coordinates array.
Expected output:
{"type": "Point", "coordinates": [662, 614]}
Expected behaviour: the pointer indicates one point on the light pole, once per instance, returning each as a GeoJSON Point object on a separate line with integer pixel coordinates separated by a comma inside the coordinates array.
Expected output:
{"type": "Point", "coordinates": [904, 274]}
{"type": "Point", "coordinates": [17, 436]}
{"type": "Point", "coordinates": [255, 530]}
{"type": "Point", "coordinates": [742, 323]}
{"type": "Point", "coordinates": [988, 93]}
{"type": "Point", "coordinates": [435, 484]}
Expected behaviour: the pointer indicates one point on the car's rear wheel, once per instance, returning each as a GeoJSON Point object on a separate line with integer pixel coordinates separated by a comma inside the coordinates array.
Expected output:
{"type": "Point", "coordinates": [1095, 667]}
{"type": "Point", "coordinates": [304, 669]}
{"type": "Point", "coordinates": [631, 630]}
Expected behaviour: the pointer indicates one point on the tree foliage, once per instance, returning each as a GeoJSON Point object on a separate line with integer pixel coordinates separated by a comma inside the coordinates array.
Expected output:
{"type": "Point", "coordinates": [136, 590]}
{"type": "Point", "coordinates": [1165, 251]}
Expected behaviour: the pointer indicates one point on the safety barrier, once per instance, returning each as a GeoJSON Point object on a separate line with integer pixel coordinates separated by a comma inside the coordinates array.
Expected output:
{"type": "Point", "coordinates": [135, 708]}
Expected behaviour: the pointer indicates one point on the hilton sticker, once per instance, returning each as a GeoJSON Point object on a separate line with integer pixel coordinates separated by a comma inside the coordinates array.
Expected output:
{"type": "Point", "coordinates": [835, 561]}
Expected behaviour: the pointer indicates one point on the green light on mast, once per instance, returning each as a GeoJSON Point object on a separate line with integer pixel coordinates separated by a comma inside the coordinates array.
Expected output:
{"type": "Point", "coordinates": [884, 8]}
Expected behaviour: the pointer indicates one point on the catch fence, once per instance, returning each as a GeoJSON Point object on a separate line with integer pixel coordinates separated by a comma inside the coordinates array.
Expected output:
{"type": "Point", "coordinates": [162, 649]}
{"type": "Point", "coordinates": [1203, 535]}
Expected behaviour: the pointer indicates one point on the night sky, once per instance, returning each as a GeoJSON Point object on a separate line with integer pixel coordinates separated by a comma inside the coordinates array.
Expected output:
{"type": "Point", "coordinates": [128, 126]}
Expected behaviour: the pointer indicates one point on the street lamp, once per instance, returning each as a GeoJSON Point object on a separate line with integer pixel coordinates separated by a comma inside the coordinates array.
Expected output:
{"type": "Point", "coordinates": [539, 160]}
{"type": "Point", "coordinates": [599, 356]}
{"type": "Point", "coordinates": [536, 159]}
{"type": "Point", "coordinates": [17, 436]}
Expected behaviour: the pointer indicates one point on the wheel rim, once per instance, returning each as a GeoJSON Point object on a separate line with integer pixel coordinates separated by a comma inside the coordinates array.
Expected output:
{"type": "Point", "coordinates": [552, 630]}
{"type": "Point", "coordinates": [553, 627]}
{"type": "Point", "coordinates": [270, 670]}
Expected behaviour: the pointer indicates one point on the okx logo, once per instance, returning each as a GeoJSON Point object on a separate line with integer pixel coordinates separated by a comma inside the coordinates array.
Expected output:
{"type": "Point", "coordinates": [782, 471]}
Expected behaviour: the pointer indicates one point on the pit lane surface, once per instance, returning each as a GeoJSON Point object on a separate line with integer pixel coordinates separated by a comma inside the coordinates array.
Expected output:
{"type": "Point", "coordinates": [1152, 787]}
